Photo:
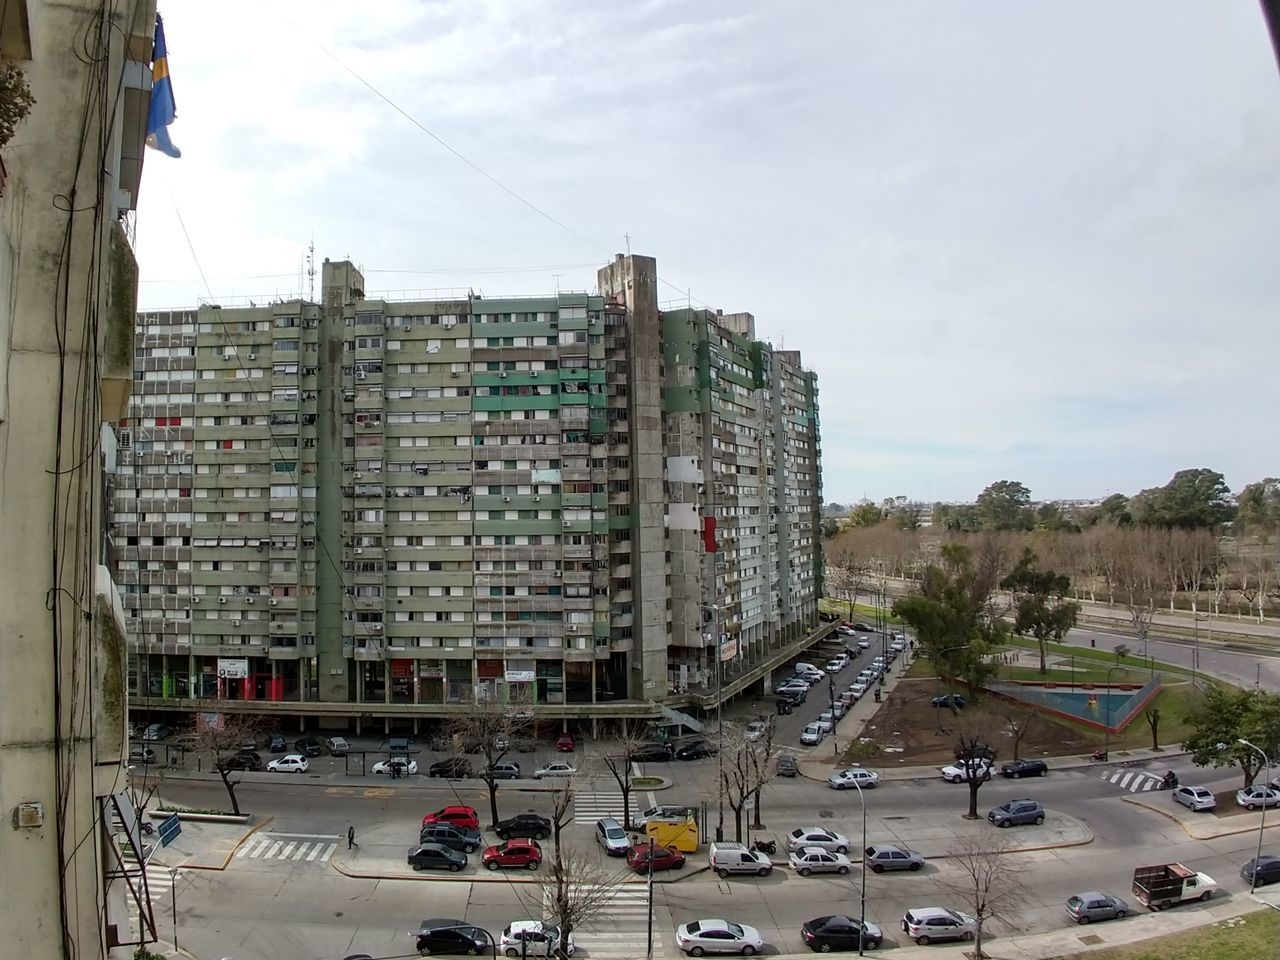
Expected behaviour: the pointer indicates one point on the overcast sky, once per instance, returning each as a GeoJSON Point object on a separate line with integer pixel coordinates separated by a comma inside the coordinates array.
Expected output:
{"type": "Point", "coordinates": [1033, 241]}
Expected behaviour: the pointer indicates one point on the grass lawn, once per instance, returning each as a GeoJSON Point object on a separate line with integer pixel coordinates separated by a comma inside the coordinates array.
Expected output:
{"type": "Point", "coordinates": [1096, 653]}
{"type": "Point", "coordinates": [860, 610]}
{"type": "Point", "coordinates": [1240, 938]}
{"type": "Point", "coordinates": [1084, 672]}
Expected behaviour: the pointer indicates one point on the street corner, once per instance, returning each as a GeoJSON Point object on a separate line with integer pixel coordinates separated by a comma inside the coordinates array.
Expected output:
{"type": "Point", "coordinates": [1199, 824]}
{"type": "Point", "coordinates": [387, 862]}
{"type": "Point", "coordinates": [210, 845]}
{"type": "Point", "coordinates": [934, 837]}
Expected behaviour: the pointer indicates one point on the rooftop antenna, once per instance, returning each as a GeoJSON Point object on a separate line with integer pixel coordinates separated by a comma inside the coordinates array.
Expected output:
{"type": "Point", "coordinates": [557, 278]}
{"type": "Point", "coordinates": [627, 237]}
{"type": "Point", "coordinates": [311, 271]}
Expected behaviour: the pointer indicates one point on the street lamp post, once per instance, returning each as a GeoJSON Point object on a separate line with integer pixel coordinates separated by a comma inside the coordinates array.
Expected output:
{"type": "Point", "coordinates": [1257, 860]}
{"type": "Point", "coordinates": [862, 911]}
{"type": "Point", "coordinates": [1106, 749]}
{"type": "Point", "coordinates": [835, 743]}
{"type": "Point", "coordinates": [937, 679]}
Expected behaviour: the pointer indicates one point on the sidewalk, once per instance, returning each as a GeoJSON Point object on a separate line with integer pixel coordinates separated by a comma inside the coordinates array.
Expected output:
{"type": "Point", "coordinates": [819, 769]}
{"type": "Point", "coordinates": [207, 846]}
{"type": "Point", "coordinates": [1203, 826]}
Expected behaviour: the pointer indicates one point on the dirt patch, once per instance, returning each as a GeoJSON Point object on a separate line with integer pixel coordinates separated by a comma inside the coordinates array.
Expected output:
{"type": "Point", "coordinates": [906, 728]}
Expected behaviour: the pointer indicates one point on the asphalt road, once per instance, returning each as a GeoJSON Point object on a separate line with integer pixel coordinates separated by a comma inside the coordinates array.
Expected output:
{"type": "Point", "coordinates": [1244, 668]}
{"type": "Point", "coordinates": [269, 908]}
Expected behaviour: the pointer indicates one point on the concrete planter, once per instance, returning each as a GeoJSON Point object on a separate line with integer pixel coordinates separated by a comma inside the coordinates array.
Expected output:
{"type": "Point", "coordinates": [200, 817]}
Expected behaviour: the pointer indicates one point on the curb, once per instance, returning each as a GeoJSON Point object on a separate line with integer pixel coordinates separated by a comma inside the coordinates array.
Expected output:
{"type": "Point", "coordinates": [488, 876]}
{"type": "Point", "coordinates": [1169, 814]}
{"type": "Point", "coordinates": [905, 774]}
{"type": "Point", "coordinates": [232, 852]}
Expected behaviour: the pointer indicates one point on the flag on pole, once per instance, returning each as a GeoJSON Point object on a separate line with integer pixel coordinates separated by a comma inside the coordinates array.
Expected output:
{"type": "Point", "coordinates": [163, 111]}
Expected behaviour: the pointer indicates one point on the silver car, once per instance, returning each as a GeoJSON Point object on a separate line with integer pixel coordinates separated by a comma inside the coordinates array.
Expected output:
{"type": "Point", "coordinates": [887, 856]}
{"type": "Point", "coordinates": [611, 836]}
{"type": "Point", "coordinates": [802, 837]}
{"type": "Point", "coordinates": [1094, 905]}
{"type": "Point", "coordinates": [1195, 798]}
{"type": "Point", "coordinates": [816, 860]}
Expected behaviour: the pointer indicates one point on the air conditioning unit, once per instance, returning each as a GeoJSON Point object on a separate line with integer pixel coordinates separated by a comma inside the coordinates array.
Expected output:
{"type": "Point", "coordinates": [278, 626]}
{"type": "Point", "coordinates": [222, 599]}
{"type": "Point", "coordinates": [358, 475]}
{"type": "Point", "coordinates": [502, 374]}
{"type": "Point", "coordinates": [273, 602]}
{"type": "Point", "coordinates": [196, 599]}
{"type": "Point", "coordinates": [564, 523]}
{"type": "Point", "coordinates": [361, 374]}
{"type": "Point", "coordinates": [592, 321]}
{"type": "Point", "coordinates": [533, 373]}
{"type": "Point", "coordinates": [357, 551]}
{"type": "Point", "coordinates": [248, 599]}
{"type": "Point", "coordinates": [453, 373]}
{"type": "Point", "coordinates": [376, 627]}
{"type": "Point", "coordinates": [506, 499]}
{"type": "Point", "coordinates": [556, 574]}
{"type": "Point", "coordinates": [537, 499]}
{"type": "Point", "coordinates": [251, 356]}
{"type": "Point", "coordinates": [235, 623]}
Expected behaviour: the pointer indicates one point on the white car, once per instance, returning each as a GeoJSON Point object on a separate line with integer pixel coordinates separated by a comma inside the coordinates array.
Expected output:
{"type": "Point", "coordinates": [899, 645]}
{"type": "Point", "coordinates": [812, 734]}
{"type": "Point", "coordinates": [839, 709]}
{"type": "Point", "coordinates": [407, 767]}
{"type": "Point", "coordinates": [858, 689]}
{"type": "Point", "coordinates": [289, 763]}
{"type": "Point", "coordinates": [846, 631]}
{"type": "Point", "coordinates": [853, 778]}
{"type": "Point", "coordinates": [816, 860]}
{"type": "Point", "coordinates": [718, 936]}
{"type": "Point", "coordinates": [926, 925]}
{"type": "Point", "coordinates": [864, 643]}
{"type": "Point", "coordinates": [756, 729]}
{"type": "Point", "coordinates": [958, 772]}
{"type": "Point", "coordinates": [1258, 796]}
{"type": "Point", "coordinates": [557, 769]}
{"type": "Point", "coordinates": [828, 840]}
{"type": "Point", "coordinates": [826, 721]}
{"type": "Point", "coordinates": [532, 938]}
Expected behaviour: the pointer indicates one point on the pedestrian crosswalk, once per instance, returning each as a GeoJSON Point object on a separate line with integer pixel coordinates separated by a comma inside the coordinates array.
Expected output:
{"type": "Point", "coordinates": [620, 927]}
{"type": "Point", "coordinates": [159, 883]}
{"type": "Point", "coordinates": [1135, 781]}
{"type": "Point", "coordinates": [590, 807]}
{"type": "Point", "coordinates": [296, 847]}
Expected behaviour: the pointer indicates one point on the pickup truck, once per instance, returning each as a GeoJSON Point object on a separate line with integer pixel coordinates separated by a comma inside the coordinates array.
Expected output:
{"type": "Point", "coordinates": [1167, 884]}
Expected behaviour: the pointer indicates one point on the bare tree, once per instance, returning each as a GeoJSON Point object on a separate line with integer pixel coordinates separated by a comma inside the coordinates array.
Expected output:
{"type": "Point", "coordinates": [989, 881]}
{"type": "Point", "coordinates": [1136, 575]}
{"type": "Point", "coordinates": [847, 578]}
{"type": "Point", "coordinates": [577, 887]}
{"type": "Point", "coordinates": [626, 737]}
{"type": "Point", "coordinates": [762, 771]}
{"type": "Point", "coordinates": [974, 755]}
{"type": "Point", "coordinates": [736, 775]}
{"type": "Point", "coordinates": [491, 729]}
{"type": "Point", "coordinates": [224, 736]}
{"type": "Point", "coordinates": [1019, 718]}
{"type": "Point", "coordinates": [1153, 721]}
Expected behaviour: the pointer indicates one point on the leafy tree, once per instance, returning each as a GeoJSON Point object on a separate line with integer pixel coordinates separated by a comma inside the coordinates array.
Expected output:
{"type": "Point", "coordinates": [866, 515]}
{"type": "Point", "coordinates": [1258, 511]}
{"type": "Point", "coordinates": [957, 517]}
{"type": "Point", "coordinates": [1197, 497]}
{"type": "Point", "coordinates": [829, 528]}
{"type": "Point", "coordinates": [15, 100]}
{"type": "Point", "coordinates": [1005, 505]}
{"type": "Point", "coordinates": [1111, 512]}
{"type": "Point", "coordinates": [1222, 718]}
{"type": "Point", "coordinates": [1050, 518]}
{"type": "Point", "coordinates": [1042, 609]}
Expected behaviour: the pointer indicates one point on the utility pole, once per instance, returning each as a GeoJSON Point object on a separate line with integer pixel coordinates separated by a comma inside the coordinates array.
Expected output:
{"type": "Point", "coordinates": [648, 953]}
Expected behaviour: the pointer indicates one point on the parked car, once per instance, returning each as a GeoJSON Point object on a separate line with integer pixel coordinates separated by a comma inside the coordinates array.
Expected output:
{"type": "Point", "coordinates": [512, 853]}
{"type": "Point", "coordinates": [812, 734]}
{"type": "Point", "coordinates": [958, 772]}
{"type": "Point", "coordinates": [449, 937]}
{"type": "Point", "coordinates": [787, 766]}
{"type": "Point", "coordinates": [826, 720]}
{"type": "Point", "coordinates": [1013, 813]}
{"type": "Point", "coordinates": [245, 760]}
{"type": "Point", "coordinates": [1258, 796]}
{"type": "Point", "coordinates": [278, 743]}
{"type": "Point", "coordinates": [142, 755]}
{"type": "Point", "coordinates": [1195, 798]}
{"type": "Point", "coordinates": [854, 777]}
{"type": "Point", "coordinates": [533, 938]}
{"type": "Point", "coordinates": [289, 763]}
{"type": "Point", "coordinates": [949, 700]}
{"type": "Point", "coordinates": [403, 765]}
{"type": "Point", "coordinates": [454, 768]}
{"type": "Point", "coordinates": [1095, 905]}
{"type": "Point", "coordinates": [756, 729]}
{"type": "Point", "coordinates": [503, 770]}
{"type": "Point", "coordinates": [859, 688]}
{"type": "Point", "coordinates": [565, 743]}
{"type": "Point", "coordinates": [802, 837]}
{"type": "Point", "coordinates": [926, 925]}
{"type": "Point", "coordinates": [663, 858]}
{"type": "Point", "coordinates": [611, 836]}
{"type": "Point", "coordinates": [556, 768]}
{"type": "Point", "coordinates": [337, 746]}
{"type": "Point", "coordinates": [718, 936]}
{"type": "Point", "coordinates": [524, 825]}
{"type": "Point", "coordinates": [436, 856]}
{"type": "Point", "coordinates": [863, 643]}
{"type": "Point", "coordinates": [695, 750]}
{"type": "Point", "coordinates": [1267, 868]}
{"type": "Point", "coordinates": [466, 839]}
{"type": "Point", "coordinates": [157, 731]}
{"type": "Point", "coordinates": [726, 857]}
{"type": "Point", "coordinates": [458, 814]}
{"type": "Point", "coordinates": [1017, 769]}
{"type": "Point", "coordinates": [809, 860]}
{"type": "Point", "coordinates": [888, 856]}
{"type": "Point", "coordinates": [1168, 884]}
{"type": "Point", "coordinates": [823, 934]}
{"type": "Point", "coordinates": [308, 746]}
{"type": "Point", "coordinates": [651, 753]}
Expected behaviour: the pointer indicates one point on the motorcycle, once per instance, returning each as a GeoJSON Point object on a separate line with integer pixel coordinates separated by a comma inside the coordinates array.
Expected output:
{"type": "Point", "coordinates": [764, 846]}
{"type": "Point", "coordinates": [1098, 756]}
{"type": "Point", "coordinates": [1169, 781]}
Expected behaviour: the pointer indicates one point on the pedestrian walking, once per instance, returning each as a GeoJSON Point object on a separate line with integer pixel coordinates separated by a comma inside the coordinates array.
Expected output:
{"type": "Point", "coordinates": [351, 837]}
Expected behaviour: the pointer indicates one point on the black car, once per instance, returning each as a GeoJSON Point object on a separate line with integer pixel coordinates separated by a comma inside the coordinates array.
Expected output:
{"type": "Point", "coordinates": [1268, 870]}
{"type": "Point", "coordinates": [949, 700]}
{"type": "Point", "coordinates": [279, 744]}
{"type": "Point", "coordinates": [455, 768]}
{"type": "Point", "coordinates": [524, 825]}
{"type": "Point", "coordinates": [450, 937]}
{"type": "Point", "coordinates": [308, 746]}
{"type": "Point", "coordinates": [695, 750]}
{"type": "Point", "coordinates": [786, 766]}
{"type": "Point", "coordinates": [435, 856]}
{"type": "Point", "coordinates": [244, 760]}
{"type": "Point", "coordinates": [1024, 768]}
{"type": "Point", "coordinates": [839, 933]}
{"type": "Point", "coordinates": [466, 839]}
{"type": "Point", "coordinates": [651, 753]}
{"type": "Point", "coordinates": [828, 617]}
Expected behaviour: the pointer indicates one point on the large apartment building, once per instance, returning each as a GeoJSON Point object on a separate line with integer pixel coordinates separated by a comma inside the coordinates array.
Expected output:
{"type": "Point", "coordinates": [361, 510]}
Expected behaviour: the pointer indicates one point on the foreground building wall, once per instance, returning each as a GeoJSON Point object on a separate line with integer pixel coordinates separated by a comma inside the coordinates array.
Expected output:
{"type": "Point", "coordinates": [67, 301]}
{"type": "Point", "coordinates": [396, 510]}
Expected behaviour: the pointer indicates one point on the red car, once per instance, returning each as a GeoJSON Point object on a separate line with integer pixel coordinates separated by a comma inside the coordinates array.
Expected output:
{"type": "Point", "coordinates": [457, 814]}
{"type": "Point", "coordinates": [565, 743]}
{"type": "Point", "coordinates": [664, 858]}
{"type": "Point", "coordinates": [513, 853]}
